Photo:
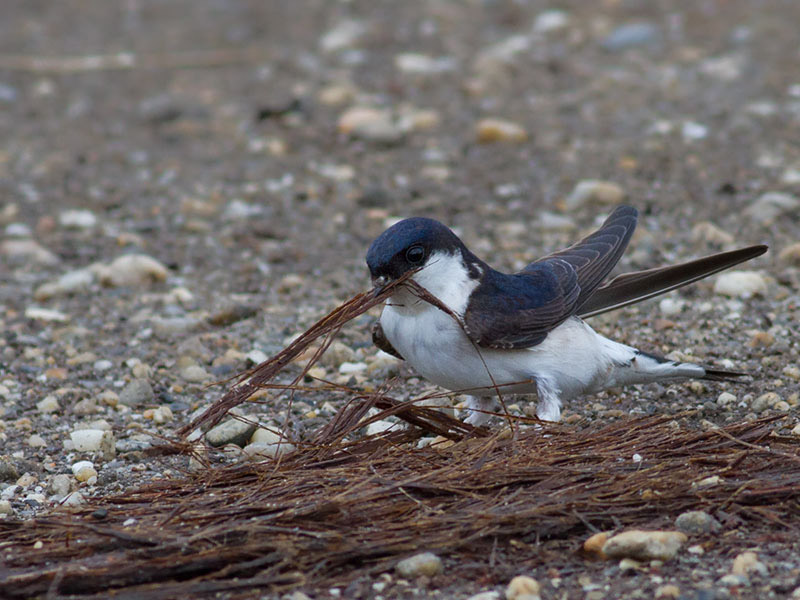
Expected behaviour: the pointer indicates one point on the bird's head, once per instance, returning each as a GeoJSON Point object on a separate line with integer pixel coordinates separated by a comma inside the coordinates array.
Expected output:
{"type": "Point", "coordinates": [411, 244]}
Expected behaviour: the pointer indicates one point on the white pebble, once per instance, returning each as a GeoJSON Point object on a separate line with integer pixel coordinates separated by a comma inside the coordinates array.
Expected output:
{"type": "Point", "coordinates": [424, 563]}
{"type": "Point", "coordinates": [36, 441]}
{"type": "Point", "coordinates": [422, 64]}
{"type": "Point", "coordinates": [266, 443]}
{"type": "Point", "coordinates": [72, 282]}
{"type": "Point", "coordinates": [5, 508]}
{"type": "Point", "coordinates": [593, 191]}
{"type": "Point", "coordinates": [256, 357]}
{"type": "Point", "coordinates": [349, 368]}
{"type": "Point", "coordinates": [77, 219]}
{"type": "Point", "coordinates": [671, 306]}
{"type": "Point", "coordinates": [692, 131]}
{"type": "Point", "coordinates": [131, 270]}
{"type": "Point", "coordinates": [73, 499]}
{"type": "Point", "coordinates": [644, 545]}
{"type": "Point", "coordinates": [93, 440]}
{"type": "Point", "coordinates": [84, 471]}
{"type": "Point", "coordinates": [740, 284]}
{"type": "Point", "coordinates": [523, 587]}
{"type": "Point", "coordinates": [550, 20]}
{"type": "Point", "coordinates": [747, 563]}
{"type": "Point", "coordinates": [45, 314]}
{"type": "Point", "coordinates": [343, 35]}
{"type": "Point", "coordinates": [48, 404]}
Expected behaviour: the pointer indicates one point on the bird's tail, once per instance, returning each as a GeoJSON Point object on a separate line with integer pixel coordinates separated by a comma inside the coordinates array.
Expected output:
{"type": "Point", "coordinates": [630, 288]}
{"type": "Point", "coordinates": [649, 368]}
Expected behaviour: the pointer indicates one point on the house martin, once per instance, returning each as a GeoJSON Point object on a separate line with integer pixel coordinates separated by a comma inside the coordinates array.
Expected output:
{"type": "Point", "coordinates": [495, 333]}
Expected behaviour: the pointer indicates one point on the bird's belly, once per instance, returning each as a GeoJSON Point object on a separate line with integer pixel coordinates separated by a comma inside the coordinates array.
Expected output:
{"type": "Point", "coordinates": [570, 358]}
{"type": "Point", "coordinates": [437, 348]}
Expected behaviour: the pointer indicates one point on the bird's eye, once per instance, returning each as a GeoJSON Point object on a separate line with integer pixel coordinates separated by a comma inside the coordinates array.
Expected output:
{"type": "Point", "coordinates": [415, 254]}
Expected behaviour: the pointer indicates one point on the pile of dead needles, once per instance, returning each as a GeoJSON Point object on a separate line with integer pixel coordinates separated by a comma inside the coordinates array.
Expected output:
{"type": "Point", "coordinates": [337, 508]}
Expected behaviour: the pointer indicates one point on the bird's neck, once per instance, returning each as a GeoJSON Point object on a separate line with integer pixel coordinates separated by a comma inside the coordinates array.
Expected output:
{"type": "Point", "coordinates": [451, 277]}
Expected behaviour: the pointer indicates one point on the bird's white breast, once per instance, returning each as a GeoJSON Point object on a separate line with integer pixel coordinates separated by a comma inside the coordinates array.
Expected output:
{"type": "Point", "coordinates": [573, 357]}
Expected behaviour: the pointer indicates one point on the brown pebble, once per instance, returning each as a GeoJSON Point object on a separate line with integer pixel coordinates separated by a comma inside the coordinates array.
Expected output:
{"type": "Point", "coordinates": [593, 546]}
{"type": "Point", "coordinates": [761, 339]}
{"type": "Point", "coordinates": [58, 373]}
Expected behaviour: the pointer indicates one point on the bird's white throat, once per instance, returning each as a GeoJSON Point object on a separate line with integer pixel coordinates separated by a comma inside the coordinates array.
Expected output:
{"type": "Point", "coordinates": [445, 276]}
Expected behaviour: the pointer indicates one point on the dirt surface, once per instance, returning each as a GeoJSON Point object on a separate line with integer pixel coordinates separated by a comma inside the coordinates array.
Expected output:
{"type": "Point", "coordinates": [218, 138]}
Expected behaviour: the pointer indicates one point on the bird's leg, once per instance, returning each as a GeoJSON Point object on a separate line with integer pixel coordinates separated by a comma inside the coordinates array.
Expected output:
{"type": "Point", "coordinates": [549, 406]}
{"type": "Point", "coordinates": [477, 408]}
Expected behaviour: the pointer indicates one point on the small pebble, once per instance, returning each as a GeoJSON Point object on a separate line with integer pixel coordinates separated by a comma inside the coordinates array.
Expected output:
{"type": "Point", "coordinates": [768, 207]}
{"type": "Point", "coordinates": [256, 357]}
{"type": "Point", "coordinates": [348, 368]}
{"type": "Point", "coordinates": [370, 124]}
{"type": "Point", "coordinates": [421, 64]}
{"type": "Point", "coordinates": [593, 191]}
{"type": "Point", "coordinates": [77, 219]}
{"type": "Point", "coordinates": [73, 282]}
{"type": "Point", "coordinates": [6, 508]}
{"type": "Point", "coordinates": [60, 485]}
{"type": "Point", "coordinates": [671, 306]}
{"type": "Point", "coordinates": [344, 35]}
{"type": "Point", "coordinates": [109, 398]}
{"type": "Point", "coordinates": [711, 234]}
{"type": "Point", "coordinates": [765, 401]}
{"type": "Point", "coordinates": [747, 563]}
{"type": "Point", "coordinates": [27, 250]}
{"type": "Point", "coordinates": [231, 431]}
{"type": "Point", "coordinates": [499, 130]}
{"type": "Point", "coordinates": [49, 404]}
{"type": "Point", "coordinates": [740, 284]}
{"type": "Point", "coordinates": [425, 563]}
{"type": "Point", "coordinates": [523, 587]}
{"type": "Point", "coordinates": [490, 595]}
{"type": "Point", "coordinates": [726, 399]}
{"type": "Point", "coordinates": [692, 131]}
{"type": "Point", "coordinates": [707, 482]}
{"type": "Point", "coordinates": [131, 270]}
{"type": "Point", "coordinates": [266, 443]}
{"type": "Point", "coordinates": [336, 354]}
{"type": "Point", "coordinates": [74, 498]}
{"type": "Point", "coordinates": [594, 544]}
{"type": "Point", "coordinates": [632, 35]}
{"type": "Point", "coordinates": [791, 255]}
{"type": "Point", "coordinates": [36, 441]}
{"type": "Point", "coordinates": [667, 592]}
{"type": "Point", "coordinates": [136, 393]}
{"type": "Point", "coordinates": [85, 472]}
{"type": "Point", "coordinates": [550, 21]}
{"type": "Point", "coordinates": [195, 374]}
{"type": "Point", "coordinates": [645, 545]}
{"type": "Point", "coordinates": [94, 440]}
{"type": "Point", "coordinates": [45, 314]}
{"type": "Point", "coordinates": [696, 522]}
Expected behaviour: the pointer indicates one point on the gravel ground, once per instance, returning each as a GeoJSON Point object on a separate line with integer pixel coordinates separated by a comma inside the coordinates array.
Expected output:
{"type": "Point", "coordinates": [243, 186]}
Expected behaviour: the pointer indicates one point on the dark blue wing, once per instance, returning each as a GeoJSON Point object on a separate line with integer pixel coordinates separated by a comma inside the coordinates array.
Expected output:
{"type": "Point", "coordinates": [518, 311]}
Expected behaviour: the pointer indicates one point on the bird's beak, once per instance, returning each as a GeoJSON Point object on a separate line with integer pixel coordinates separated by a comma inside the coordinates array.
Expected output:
{"type": "Point", "coordinates": [380, 282]}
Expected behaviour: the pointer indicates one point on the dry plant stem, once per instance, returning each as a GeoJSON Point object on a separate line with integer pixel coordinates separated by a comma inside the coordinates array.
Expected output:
{"type": "Point", "coordinates": [260, 375]}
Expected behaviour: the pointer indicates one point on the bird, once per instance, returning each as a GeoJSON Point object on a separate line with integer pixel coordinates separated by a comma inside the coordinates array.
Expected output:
{"type": "Point", "coordinates": [496, 333]}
